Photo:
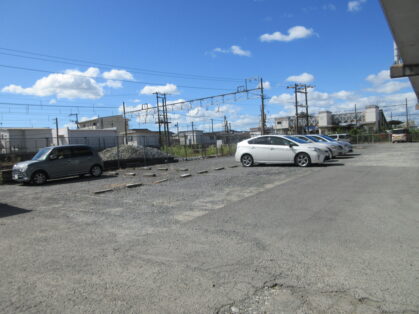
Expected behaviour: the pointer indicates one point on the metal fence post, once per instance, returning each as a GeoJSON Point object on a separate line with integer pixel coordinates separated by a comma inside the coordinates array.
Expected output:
{"type": "Point", "coordinates": [144, 152]}
{"type": "Point", "coordinates": [184, 147]}
{"type": "Point", "coordinates": [117, 151]}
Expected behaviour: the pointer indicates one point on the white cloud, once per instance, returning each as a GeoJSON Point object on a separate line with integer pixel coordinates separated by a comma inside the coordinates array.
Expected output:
{"type": "Point", "coordinates": [115, 74]}
{"type": "Point", "coordinates": [235, 50]}
{"type": "Point", "coordinates": [177, 104]}
{"type": "Point", "coordinates": [354, 6]}
{"type": "Point", "coordinates": [329, 7]}
{"type": "Point", "coordinates": [266, 85]}
{"type": "Point", "coordinates": [296, 32]}
{"type": "Point", "coordinates": [379, 78]}
{"type": "Point", "coordinates": [113, 84]}
{"type": "Point", "coordinates": [382, 83]}
{"type": "Point", "coordinates": [53, 101]}
{"type": "Point", "coordinates": [163, 89]}
{"type": "Point", "coordinates": [343, 94]}
{"type": "Point", "coordinates": [70, 84]}
{"type": "Point", "coordinates": [302, 78]}
{"type": "Point", "coordinates": [70, 125]}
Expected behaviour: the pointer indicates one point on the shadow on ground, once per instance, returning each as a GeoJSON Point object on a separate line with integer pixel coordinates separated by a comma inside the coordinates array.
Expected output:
{"type": "Point", "coordinates": [8, 210]}
{"type": "Point", "coordinates": [70, 180]}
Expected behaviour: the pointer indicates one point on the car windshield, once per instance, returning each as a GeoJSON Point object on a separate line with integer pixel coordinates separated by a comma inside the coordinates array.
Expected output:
{"type": "Point", "coordinates": [320, 139]}
{"type": "Point", "coordinates": [315, 139]}
{"type": "Point", "coordinates": [329, 138]}
{"type": "Point", "coordinates": [296, 139]}
{"type": "Point", "coordinates": [41, 154]}
{"type": "Point", "coordinates": [400, 131]}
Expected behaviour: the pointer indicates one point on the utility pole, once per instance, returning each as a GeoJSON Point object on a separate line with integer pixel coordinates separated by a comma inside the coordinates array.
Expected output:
{"type": "Point", "coordinates": [178, 135]}
{"type": "Point", "coordinates": [125, 125]}
{"type": "Point", "coordinates": [158, 117]}
{"type": "Point", "coordinates": [307, 117]}
{"type": "Point", "coordinates": [262, 109]}
{"type": "Point", "coordinates": [212, 125]}
{"type": "Point", "coordinates": [193, 134]}
{"type": "Point", "coordinates": [356, 118]}
{"type": "Point", "coordinates": [77, 118]}
{"type": "Point", "coordinates": [56, 130]}
{"type": "Point", "coordinates": [225, 124]}
{"type": "Point", "coordinates": [407, 115]}
{"type": "Point", "coordinates": [295, 87]}
{"type": "Point", "coordinates": [166, 120]}
{"type": "Point", "coordinates": [300, 88]}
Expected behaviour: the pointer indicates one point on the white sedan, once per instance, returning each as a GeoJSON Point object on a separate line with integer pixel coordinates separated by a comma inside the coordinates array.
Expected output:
{"type": "Point", "coordinates": [277, 149]}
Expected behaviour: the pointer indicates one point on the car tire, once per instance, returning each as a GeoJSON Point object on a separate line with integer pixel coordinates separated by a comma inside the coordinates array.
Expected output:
{"type": "Point", "coordinates": [247, 160]}
{"type": "Point", "coordinates": [302, 160]}
{"type": "Point", "coordinates": [39, 178]}
{"type": "Point", "coordinates": [96, 171]}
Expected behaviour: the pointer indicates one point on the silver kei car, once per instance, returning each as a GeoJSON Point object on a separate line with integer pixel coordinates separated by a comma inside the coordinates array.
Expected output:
{"type": "Point", "coordinates": [58, 162]}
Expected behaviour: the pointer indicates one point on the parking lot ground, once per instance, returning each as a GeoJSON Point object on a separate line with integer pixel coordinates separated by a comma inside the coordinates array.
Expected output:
{"type": "Point", "coordinates": [335, 238]}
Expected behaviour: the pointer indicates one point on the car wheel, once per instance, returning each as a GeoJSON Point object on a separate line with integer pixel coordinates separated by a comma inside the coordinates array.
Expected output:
{"type": "Point", "coordinates": [39, 178]}
{"type": "Point", "coordinates": [96, 171]}
{"type": "Point", "coordinates": [302, 160]}
{"type": "Point", "coordinates": [247, 160]}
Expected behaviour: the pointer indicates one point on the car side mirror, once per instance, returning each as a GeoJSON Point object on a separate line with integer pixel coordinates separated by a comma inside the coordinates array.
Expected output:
{"type": "Point", "coordinates": [291, 145]}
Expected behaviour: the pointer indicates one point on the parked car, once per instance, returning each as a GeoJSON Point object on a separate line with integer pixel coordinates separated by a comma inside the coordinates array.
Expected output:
{"type": "Point", "coordinates": [347, 147]}
{"type": "Point", "coordinates": [277, 149]}
{"type": "Point", "coordinates": [339, 148]}
{"type": "Point", "coordinates": [300, 140]}
{"type": "Point", "coordinates": [58, 162]}
{"type": "Point", "coordinates": [341, 137]}
{"type": "Point", "coordinates": [332, 149]}
{"type": "Point", "coordinates": [400, 135]}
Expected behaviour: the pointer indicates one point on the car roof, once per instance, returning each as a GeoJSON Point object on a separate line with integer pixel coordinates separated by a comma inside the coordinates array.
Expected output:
{"type": "Point", "coordinates": [69, 145]}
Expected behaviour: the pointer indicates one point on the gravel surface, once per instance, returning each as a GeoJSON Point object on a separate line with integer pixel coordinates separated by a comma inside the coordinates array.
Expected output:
{"type": "Point", "coordinates": [340, 238]}
{"type": "Point", "coordinates": [131, 152]}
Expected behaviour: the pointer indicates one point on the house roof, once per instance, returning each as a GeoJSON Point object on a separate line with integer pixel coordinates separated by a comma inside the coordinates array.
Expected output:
{"type": "Point", "coordinates": [143, 131]}
{"type": "Point", "coordinates": [98, 118]}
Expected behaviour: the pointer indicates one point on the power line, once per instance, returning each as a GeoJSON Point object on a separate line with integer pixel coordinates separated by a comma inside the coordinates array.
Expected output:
{"type": "Point", "coordinates": [199, 99]}
{"type": "Point", "coordinates": [56, 106]}
{"type": "Point", "coordinates": [132, 69]}
{"type": "Point", "coordinates": [117, 80]}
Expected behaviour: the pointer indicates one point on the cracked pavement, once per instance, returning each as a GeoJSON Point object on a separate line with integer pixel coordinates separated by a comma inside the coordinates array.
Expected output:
{"type": "Point", "coordinates": [269, 239]}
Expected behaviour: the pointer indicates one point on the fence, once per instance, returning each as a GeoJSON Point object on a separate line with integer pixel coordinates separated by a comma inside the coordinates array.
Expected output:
{"type": "Point", "coordinates": [378, 138]}
{"type": "Point", "coordinates": [120, 150]}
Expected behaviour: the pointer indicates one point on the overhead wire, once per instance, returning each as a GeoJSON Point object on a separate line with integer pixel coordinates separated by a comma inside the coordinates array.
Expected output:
{"type": "Point", "coordinates": [73, 61]}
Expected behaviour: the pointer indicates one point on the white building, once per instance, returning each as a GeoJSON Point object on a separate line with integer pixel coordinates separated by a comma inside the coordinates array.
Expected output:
{"type": "Point", "coordinates": [24, 140]}
{"type": "Point", "coordinates": [372, 119]}
{"type": "Point", "coordinates": [143, 137]}
{"type": "Point", "coordinates": [196, 137]}
{"type": "Point", "coordinates": [98, 139]}
{"type": "Point", "coordinates": [110, 122]}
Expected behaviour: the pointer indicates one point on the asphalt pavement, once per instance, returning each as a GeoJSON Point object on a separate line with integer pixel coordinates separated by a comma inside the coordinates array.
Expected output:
{"type": "Point", "coordinates": [340, 238]}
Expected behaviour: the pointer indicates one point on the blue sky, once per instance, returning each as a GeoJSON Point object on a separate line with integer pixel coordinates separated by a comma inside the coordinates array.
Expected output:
{"type": "Point", "coordinates": [122, 51]}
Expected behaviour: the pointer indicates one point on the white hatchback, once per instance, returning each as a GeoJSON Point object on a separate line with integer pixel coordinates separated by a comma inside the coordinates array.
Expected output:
{"type": "Point", "coordinates": [277, 149]}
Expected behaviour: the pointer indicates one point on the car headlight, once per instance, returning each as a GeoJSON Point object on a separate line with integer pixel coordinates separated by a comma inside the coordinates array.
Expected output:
{"type": "Point", "coordinates": [20, 167]}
